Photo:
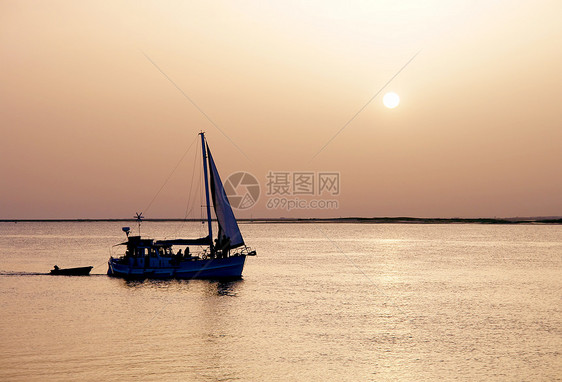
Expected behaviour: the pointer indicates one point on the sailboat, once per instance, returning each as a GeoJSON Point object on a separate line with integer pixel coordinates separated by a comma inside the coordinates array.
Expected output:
{"type": "Point", "coordinates": [222, 258]}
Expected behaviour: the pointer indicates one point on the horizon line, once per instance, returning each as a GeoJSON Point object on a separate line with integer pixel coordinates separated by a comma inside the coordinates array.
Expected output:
{"type": "Point", "coordinates": [381, 219]}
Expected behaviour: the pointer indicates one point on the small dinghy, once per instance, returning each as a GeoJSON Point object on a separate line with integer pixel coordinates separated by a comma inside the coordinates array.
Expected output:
{"type": "Point", "coordinates": [81, 271]}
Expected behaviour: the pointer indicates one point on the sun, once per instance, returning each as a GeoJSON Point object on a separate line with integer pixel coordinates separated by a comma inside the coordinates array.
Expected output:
{"type": "Point", "coordinates": [391, 100]}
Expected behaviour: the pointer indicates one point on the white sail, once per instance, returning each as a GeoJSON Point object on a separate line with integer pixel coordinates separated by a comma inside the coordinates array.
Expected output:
{"type": "Point", "coordinates": [229, 234]}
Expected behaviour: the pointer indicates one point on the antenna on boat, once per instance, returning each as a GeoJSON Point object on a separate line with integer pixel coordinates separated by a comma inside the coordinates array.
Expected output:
{"type": "Point", "coordinates": [139, 218]}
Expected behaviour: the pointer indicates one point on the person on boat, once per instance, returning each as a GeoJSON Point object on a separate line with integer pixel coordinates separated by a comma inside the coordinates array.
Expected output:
{"type": "Point", "coordinates": [216, 251]}
{"type": "Point", "coordinates": [186, 253]}
{"type": "Point", "coordinates": [222, 246]}
{"type": "Point", "coordinates": [56, 267]}
{"type": "Point", "coordinates": [179, 254]}
{"type": "Point", "coordinates": [218, 245]}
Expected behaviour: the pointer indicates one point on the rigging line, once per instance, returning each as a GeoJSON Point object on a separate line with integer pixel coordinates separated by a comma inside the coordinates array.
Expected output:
{"type": "Point", "coordinates": [364, 106]}
{"type": "Point", "coordinates": [99, 265]}
{"type": "Point", "coordinates": [196, 106]}
{"type": "Point", "coordinates": [156, 314]}
{"type": "Point", "coordinates": [364, 274]}
{"type": "Point", "coordinates": [169, 176]}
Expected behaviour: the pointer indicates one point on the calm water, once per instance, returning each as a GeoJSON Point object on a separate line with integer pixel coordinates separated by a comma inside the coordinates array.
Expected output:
{"type": "Point", "coordinates": [320, 302]}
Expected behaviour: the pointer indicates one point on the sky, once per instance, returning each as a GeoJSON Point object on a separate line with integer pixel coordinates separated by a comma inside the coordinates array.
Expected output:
{"type": "Point", "coordinates": [101, 100]}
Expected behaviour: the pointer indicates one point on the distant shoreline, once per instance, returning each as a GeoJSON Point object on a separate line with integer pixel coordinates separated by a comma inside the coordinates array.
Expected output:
{"type": "Point", "coordinates": [375, 220]}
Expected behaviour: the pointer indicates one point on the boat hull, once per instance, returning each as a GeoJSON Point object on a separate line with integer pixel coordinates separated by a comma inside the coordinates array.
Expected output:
{"type": "Point", "coordinates": [81, 271]}
{"type": "Point", "coordinates": [226, 268]}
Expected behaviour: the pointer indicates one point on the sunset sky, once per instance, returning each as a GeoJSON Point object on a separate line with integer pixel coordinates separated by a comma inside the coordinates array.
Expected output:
{"type": "Point", "coordinates": [91, 128]}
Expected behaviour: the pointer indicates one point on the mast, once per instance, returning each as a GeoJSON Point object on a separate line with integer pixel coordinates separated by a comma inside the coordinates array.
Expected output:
{"type": "Point", "coordinates": [202, 134]}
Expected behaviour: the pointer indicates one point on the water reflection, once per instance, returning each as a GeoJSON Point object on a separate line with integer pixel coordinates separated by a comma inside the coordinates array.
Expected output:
{"type": "Point", "coordinates": [10, 273]}
{"type": "Point", "coordinates": [155, 283]}
{"type": "Point", "coordinates": [228, 288]}
{"type": "Point", "coordinates": [211, 287]}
